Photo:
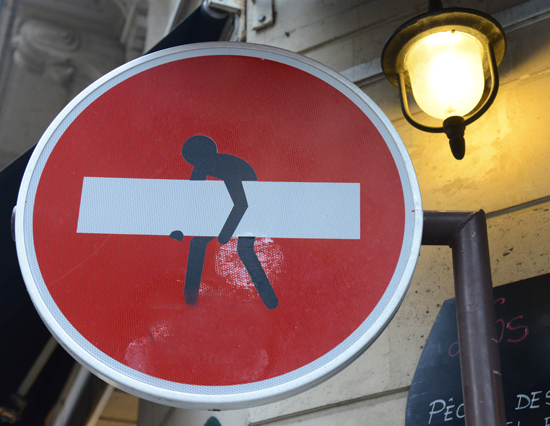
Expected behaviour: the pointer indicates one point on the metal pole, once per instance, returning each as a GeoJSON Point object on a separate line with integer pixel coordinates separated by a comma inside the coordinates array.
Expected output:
{"type": "Point", "coordinates": [466, 234]}
{"type": "Point", "coordinates": [37, 368]}
{"type": "Point", "coordinates": [69, 404]}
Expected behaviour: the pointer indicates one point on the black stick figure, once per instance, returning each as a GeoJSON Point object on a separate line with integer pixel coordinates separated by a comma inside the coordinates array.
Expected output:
{"type": "Point", "coordinates": [202, 153]}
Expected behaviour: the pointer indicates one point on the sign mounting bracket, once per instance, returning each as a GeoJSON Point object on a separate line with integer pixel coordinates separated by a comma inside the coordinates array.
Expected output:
{"type": "Point", "coordinates": [262, 14]}
{"type": "Point", "coordinates": [466, 234]}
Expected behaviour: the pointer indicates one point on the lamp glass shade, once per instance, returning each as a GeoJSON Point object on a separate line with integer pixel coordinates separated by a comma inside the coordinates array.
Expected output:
{"type": "Point", "coordinates": [446, 73]}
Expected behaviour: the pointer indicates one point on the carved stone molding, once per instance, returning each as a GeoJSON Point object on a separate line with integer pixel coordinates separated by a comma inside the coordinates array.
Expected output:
{"type": "Point", "coordinates": [46, 49]}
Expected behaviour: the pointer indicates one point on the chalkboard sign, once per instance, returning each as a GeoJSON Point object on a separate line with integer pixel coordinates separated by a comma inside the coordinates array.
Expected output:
{"type": "Point", "coordinates": [523, 326]}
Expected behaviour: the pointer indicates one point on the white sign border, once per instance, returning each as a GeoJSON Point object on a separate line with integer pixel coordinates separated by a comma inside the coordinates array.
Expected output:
{"type": "Point", "coordinates": [218, 397]}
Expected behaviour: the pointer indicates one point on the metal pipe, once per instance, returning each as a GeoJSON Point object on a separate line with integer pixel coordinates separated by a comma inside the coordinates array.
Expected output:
{"type": "Point", "coordinates": [440, 228]}
{"type": "Point", "coordinates": [204, 24]}
{"type": "Point", "coordinates": [69, 404]}
{"type": "Point", "coordinates": [100, 406]}
{"type": "Point", "coordinates": [37, 367]}
{"type": "Point", "coordinates": [466, 234]}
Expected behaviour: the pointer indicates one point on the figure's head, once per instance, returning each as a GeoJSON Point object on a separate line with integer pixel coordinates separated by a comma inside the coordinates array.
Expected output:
{"type": "Point", "coordinates": [198, 148]}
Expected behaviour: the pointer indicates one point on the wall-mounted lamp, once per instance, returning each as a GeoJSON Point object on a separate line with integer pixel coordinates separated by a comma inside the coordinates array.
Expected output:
{"type": "Point", "coordinates": [447, 59]}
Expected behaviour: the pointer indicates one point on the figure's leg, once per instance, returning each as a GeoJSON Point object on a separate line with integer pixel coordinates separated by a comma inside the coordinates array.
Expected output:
{"type": "Point", "coordinates": [245, 249]}
{"type": "Point", "coordinates": [195, 263]}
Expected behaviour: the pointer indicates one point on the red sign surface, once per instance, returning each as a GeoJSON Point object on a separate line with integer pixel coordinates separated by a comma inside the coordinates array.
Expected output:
{"type": "Point", "coordinates": [123, 294]}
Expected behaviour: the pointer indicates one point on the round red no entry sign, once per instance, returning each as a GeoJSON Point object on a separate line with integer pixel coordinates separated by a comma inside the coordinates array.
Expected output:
{"type": "Point", "coordinates": [218, 225]}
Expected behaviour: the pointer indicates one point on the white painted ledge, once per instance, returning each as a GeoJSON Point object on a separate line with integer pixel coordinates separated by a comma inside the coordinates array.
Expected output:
{"type": "Point", "coordinates": [511, 19]}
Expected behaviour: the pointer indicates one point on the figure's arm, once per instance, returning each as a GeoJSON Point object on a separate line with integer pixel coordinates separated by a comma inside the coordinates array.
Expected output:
{"type": "Point", "coordinates": [236, 191]}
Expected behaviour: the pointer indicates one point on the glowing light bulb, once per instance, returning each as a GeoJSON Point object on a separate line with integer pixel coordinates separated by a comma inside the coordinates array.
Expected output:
{"type": "Point", "coordinates": [446, 73]}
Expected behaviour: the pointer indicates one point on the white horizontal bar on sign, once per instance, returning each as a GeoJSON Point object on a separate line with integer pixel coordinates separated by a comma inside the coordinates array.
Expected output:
{"type": "Point", "coordinates": [200, 208]}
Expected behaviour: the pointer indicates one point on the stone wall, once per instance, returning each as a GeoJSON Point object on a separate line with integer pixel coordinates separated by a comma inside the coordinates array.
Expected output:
{"type": "Point", "coordinates": [50, 51]}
